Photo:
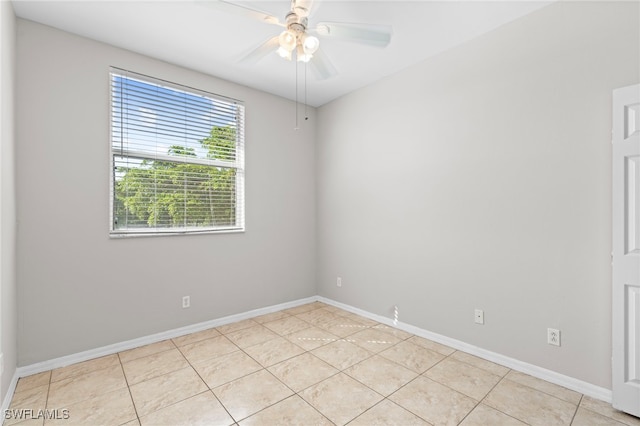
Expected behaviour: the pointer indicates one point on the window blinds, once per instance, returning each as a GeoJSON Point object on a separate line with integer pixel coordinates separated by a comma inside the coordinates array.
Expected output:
{"type": "Point", "coordinates": [177, 156]}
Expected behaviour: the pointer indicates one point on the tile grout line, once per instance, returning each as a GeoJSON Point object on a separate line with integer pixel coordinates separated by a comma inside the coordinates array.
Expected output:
{"type": "Point", "coordinates": [263, 368]}
{"type": "Point", "coordinates": [333, 375]}
{"type": "Point", "coordinates": [343, 371]}
{"type": "Point", "coordinates": [135, 409]}
{"type": "Point", "coordinates": [575, 413]}
{"type": "Point", "coordinates": [494, 408]}
{"type": "Point", "coordinates": [406, 384]}
{"type": "Point", "coordinates": [46, 401]}
{"type": "Point", "coordinates": [165, 374]}
{"type": "Point", "coordinates": [277, 378]}
{"type": "Point", "coordinates": [204, 381]}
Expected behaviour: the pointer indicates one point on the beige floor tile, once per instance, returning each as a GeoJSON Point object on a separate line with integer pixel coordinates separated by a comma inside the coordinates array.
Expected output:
{"type": "Point", "coordinates": [84, 367]}
{"type": "Point", "coordinates": [273, 351]}
{"type": "Point", "coordinates": [342, 326]}
{"type": "Point", "coordinates": [335, 310]}
{"type": "Point", "coordinates": [251, 336]}
{"type": "Point", "coordinates": [431, 345]}
{"type": "Point", "coordinates": [195, 337]}
{"type": "Point", "coordinates": [386, 413]}
{"type": "Point", "coordinates": [270, 317]}
{"type": "Point", "coordinates": [132, 423]}
{"type": "Point", "coordinates": [146, 350]}
{"type": "Point", "coordinates": [302, 371]}
{"type": "Point", "coordinates": [544, 386]}
{"type": "Point", "coordinates": [320, 305]}
{"type": "Point", "coordinates": [530, 405]}
{"type": "Point", "coordinates": [483, 415]}
{"type": "Point", "coordinates": [235, 326]}
{"type": "Point", "coordinates": [252, 393]}
{"type": "Point", "coordinates": [148, 367]}
{"type": "Point", "coordinates": [312, 338]}
{"type": "Point", "coordinates": [287, 325]}
{"type": "Point", "coordinates": [412, 356]}
{"type": "Point", "coordinates": [435, 403]}
{"type": "Point", "coordinates": [207, 349]}
{"type": "Point", "coordinates": [317, 316]}
{"type": "Point", "coordinates": [373, 340]}
{"type": "Point", "coordinates": [467, 379]}
{"type": "Point", "coordinates": [293, 411]}
{"type": "Point", "coordinates": [111, 408]}
{"type": "Point", "coordinates": [340, 398]}
{"type": "Point", "coordinates": [360, 319]}
{"type": "Point", "coordinates": [341, 354]}
{"type": "Point", "coordinates": [586, 417]}
{"type": "Point", "coordinates": [607, 410]}
{"type": "Point", "coordinates": [199, 410]}
{"type": "Point", "coordinates": [33, 381]}
{"type": "Point", "coordinates": [489, 366]}
{"type": "Point", "coordinates": [34, 420]}
{"type": "Point", "coordinates": [162, 391]}
{"type": "Point", "coordinates": [303, 308]}
{"type": "Point", "coordinates": [32, 400]}
{"type": "Point", "coordinates": [226, 368]}
{"type": "Point", "coordinates": [400, 334]}
{"type": "Point", "coordinates": [381, 375]}
{"type": "Point", "coordinates": [35, 398]}
{"type": "Point", "coordinates": [86, 386]}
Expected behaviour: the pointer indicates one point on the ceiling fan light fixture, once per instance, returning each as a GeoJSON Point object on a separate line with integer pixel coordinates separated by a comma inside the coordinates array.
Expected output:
{"type": "Point", "coordinates": [301, 55]}
{"type": "Point", "coordinates": [287, 40]}
{"type": "Point", "coordinates": [310, 44]}
{"type": "Point", "coordinates": [283, 53]}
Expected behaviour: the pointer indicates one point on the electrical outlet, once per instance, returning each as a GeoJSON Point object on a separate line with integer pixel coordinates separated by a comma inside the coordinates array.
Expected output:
{"type": "Point", "coordinates": [339, 281]}
{"type": "Point", "coordinates": [553, 336]}
{"type": "Point", "coordinates": [479, 316]}
{"type": "Point", "coordinates": [186, 301]}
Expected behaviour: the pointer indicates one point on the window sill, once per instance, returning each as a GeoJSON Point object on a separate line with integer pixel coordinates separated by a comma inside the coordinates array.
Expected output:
{"type": "Point", "coordinates": [135, 234]}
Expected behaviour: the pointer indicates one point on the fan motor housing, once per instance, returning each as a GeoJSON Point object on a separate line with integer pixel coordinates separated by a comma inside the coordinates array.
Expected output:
{"type": "Point", "coordinates": [296, 22]}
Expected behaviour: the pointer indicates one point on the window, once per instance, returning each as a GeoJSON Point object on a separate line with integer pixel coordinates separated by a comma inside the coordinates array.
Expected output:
{"type": "Point", "coordinates": [177, 158]}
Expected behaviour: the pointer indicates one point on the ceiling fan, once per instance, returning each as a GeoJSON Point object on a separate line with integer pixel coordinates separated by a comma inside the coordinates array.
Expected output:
{"type": "Point", "coordinates": [298, 40]}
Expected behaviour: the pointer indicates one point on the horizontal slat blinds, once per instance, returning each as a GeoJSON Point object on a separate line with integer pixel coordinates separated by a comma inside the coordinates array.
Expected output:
{"type": "Point", "coordinates": [177, 157]}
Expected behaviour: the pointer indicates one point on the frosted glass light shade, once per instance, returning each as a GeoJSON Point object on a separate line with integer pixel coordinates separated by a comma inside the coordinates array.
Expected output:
{"type": "Point", "coordinates": [287, 40]}
{"type": "Point", "coordinates": [310, 44]}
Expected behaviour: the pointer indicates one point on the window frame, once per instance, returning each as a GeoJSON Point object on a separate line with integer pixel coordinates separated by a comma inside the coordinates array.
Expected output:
{"type": "Point", "coordinates": [237, 165]}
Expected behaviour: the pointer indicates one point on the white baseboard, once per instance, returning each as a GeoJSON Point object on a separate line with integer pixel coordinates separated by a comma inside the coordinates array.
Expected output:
{"type": "Point", "coordinates": [153, 338]}
{"type": "Point", "coordinates": [9, 395]}
{"type": "Point", "coordinates": [580, 386]}
{"type": "Point", "coordinates": [574, 384]}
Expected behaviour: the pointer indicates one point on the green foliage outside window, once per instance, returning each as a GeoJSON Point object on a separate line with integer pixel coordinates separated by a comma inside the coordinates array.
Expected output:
{"type": "Point", "coordinates": [169, 194]}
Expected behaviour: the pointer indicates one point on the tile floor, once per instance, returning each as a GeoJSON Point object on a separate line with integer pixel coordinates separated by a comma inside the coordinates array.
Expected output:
{"type": "Point", "coordinates": [310, 365]}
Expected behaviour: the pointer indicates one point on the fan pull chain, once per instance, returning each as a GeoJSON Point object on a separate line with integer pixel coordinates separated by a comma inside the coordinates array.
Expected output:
{"type": "Point", "coordinates": [306, 105]}
{"type": "Point", "coordinates": [296, 126]}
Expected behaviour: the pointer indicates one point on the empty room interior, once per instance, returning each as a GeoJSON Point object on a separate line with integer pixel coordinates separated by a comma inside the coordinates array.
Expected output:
{"type": "Point", "coordinates": [328, 212]}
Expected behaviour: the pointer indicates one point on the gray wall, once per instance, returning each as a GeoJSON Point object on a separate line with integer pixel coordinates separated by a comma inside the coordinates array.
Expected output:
{"type": "Point", "coordinates": [78, 289]}
{"type": "Point", "coordinates": [8, 303]}
{"type": "Point", "coordinates": [481, 178]}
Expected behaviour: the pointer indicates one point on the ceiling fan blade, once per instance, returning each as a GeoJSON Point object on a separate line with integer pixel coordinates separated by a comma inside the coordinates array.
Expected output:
{"type": "Point", "coordinates": [371, 34]}
{"type": "Point", "coordinates": [236, 9]}
{"type": "Point", "coordinates": [322, 66]}
{"type": "Point", "coordinates": [261, 51]}
{"type": "Point", "coordinates": [303, 7]}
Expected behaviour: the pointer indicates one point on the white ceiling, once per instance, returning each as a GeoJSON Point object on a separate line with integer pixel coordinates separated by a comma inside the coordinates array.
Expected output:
{"type": "Point", "coordinates": [199, 36]}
